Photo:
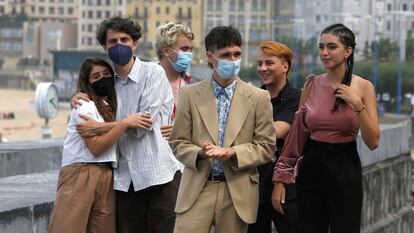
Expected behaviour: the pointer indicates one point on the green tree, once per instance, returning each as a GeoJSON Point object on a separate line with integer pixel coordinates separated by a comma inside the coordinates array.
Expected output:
{"type": "Point", "coordinates": [409, 46]}
{"type": "Point", "coordinates": [387, 50]}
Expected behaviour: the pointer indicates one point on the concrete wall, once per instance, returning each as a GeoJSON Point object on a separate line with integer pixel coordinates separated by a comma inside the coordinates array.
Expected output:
{"type": "Point", "coordinates": [20, 158]}
{"type": "Point", "coordinates": [387, 183]}
{"type": "Point", "coordinates": [31, 219]}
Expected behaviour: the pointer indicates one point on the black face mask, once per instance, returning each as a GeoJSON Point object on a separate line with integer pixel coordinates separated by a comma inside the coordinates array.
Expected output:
{"type": "Point", "coordinates": [104, 86]}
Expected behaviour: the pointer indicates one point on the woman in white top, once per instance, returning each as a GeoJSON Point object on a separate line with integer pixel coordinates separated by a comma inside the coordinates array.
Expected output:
{"type": "Point", "coordinates": [85, 199]}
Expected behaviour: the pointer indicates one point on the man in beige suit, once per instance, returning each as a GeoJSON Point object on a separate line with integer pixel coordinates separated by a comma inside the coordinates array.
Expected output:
{"type": "Point", "coordinates": [223, 131]}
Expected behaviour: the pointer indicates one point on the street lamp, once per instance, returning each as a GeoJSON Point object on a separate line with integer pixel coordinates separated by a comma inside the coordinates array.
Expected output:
{"type": "Point", "coordinates": [401, 54]}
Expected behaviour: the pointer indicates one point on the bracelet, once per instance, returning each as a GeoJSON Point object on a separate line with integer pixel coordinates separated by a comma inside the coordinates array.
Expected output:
{"type": "Point", "coordinates": [363, 107]}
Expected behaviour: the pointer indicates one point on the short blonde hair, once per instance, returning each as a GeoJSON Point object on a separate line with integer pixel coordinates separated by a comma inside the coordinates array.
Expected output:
{"type": "Point", "coordinates": [167, 36]}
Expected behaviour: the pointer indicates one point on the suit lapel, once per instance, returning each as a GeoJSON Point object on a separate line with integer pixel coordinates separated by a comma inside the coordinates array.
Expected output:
{"type": "Point", "coordinates": [239, 109]}
{"type": "Point", "coordinates": [206, 105]}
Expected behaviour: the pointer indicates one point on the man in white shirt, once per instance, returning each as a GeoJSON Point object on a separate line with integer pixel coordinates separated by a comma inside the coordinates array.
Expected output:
{"type": "Point", "coordinates": [147, 178]}
{"type": "Point", "coordinates": [173, 46]}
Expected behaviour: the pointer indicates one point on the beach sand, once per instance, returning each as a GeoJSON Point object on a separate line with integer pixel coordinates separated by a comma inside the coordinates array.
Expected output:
{"type": "Point", "coordinates": [27, 125]}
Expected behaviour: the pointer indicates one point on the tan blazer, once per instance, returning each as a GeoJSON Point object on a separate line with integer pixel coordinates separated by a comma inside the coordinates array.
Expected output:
{"type": "Point", "coordinates": [249, 132]}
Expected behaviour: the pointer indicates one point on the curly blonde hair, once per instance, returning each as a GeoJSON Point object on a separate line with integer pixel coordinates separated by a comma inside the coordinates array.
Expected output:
{"type": "Point", "coordinates": [167, 35]}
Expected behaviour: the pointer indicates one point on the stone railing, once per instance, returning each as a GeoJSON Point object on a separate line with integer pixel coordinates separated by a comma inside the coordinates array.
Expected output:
{"type": "Point", "coordinates": [29, 176]}
{"type": "Point", "coordinates": [387, 182]}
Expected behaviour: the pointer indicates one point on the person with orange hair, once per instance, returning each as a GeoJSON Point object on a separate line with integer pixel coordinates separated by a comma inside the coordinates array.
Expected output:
{"type": "Point", "coordinates": [273, 65]}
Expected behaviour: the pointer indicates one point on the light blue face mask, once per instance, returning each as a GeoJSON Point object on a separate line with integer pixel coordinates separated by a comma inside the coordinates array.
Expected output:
{"type": "Point", "coordinates": [183, 61]}
{"type": "Point", "coordinates": [227, 69]}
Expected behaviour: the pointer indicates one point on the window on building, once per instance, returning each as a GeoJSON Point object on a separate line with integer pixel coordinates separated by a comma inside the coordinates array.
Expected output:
{"type": "Point", "coordinates": [210, 5]}
{"type": "Point", "coordinates": [83, 27]}
{"type": "Point", "coordinates": [189, 12]}
{"type": "Point", "coordinates": [241, 20]}
{"type": "Point", "coordinates": [61, 0]}
{"type": "Point", "coordinates": [263, 21]}
{"type": "Point", "coordinates": [263, 5]}
{"type": "Point", "coordinates": [98, 2]}
{"type": "Point", "coordinates": [388, 26]}
{"type": "Point", "coordinates": [90, 27]}
{"type": "Point", "coordinates": [167, 10]}
{"type": "Point", "coordinates": [180, 12]}
{"type": "Point", "coordinates": [108, 14]}
{"type": "Point", "coordinates": [120, 2]}
{"type": "Point", "coordinates": [241, 5]}
{"type": "Point", "coordinates": [108, 2]}
{"type": "Point", "coordinates": [253, 21]}
{"type": "Point", "coordinates": [1, 9]}
{"type": "Point", "coordinates": [404, 7]}
{"type": "Point", "coordinates": [83, 40]}
{"type": "Point", "coordinates": [83, 14]}
{"type": "Point", "coordinates": [412, 7]}
{"type": "Point", "coordinates": [51, 0]}
{"type": "Point", "coordinates": [219, 22]}
{"type": "Point", "coordinates": [90, 2]}
{"type": "Point", "coordinates": [33, 9]}
{"type": "Point", "coordinates": [389, 7]}
{"type": "Point", "coordinates": [157, 24]}
{"type": "Point", "coordinates": [232, 20]}
{"type": "Point", "coordinates": [232, 5]}
{"type": "Point", "coordinates": [89, 41]}
{"type": "Point", "coordinates": [61, 11]}
{"type": "Point", "coordinates": [145, 12]}
{"type": "Point", "coordinates": [412, 25]}
{"type": "Point", "coordinates": [41, 10]}
{"type": "Point", "coordinates": [70, 1]}
{"type": "Point", "coordinates": [318, 18]}
{"type": "Point", "coordinates": [254, 5]}
{"type": "Point", "coordinates": [145, 26]}
{"type": "Point", "coordinates": [158, 10]}
{"type": "Point", "coordinates": [99, 14]}
{"type": "Point", "coordinates": [218, 5]}
{"type": "Point", "coordinates": [90, 14]}
{"type": "Point", "coordinates": [136, 13]}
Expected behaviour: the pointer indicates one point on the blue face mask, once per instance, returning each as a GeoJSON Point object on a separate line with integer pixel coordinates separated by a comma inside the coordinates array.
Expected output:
{"type": "Point", "coordinates": [227, 69]}
{"type": "Point", "coordinates": [120, 54]}
{"type": "Point", "coordinates": [183, 61]}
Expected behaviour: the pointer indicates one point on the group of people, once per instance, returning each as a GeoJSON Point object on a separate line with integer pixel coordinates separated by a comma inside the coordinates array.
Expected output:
{"type": "Point", "coordinates": [147, 150]}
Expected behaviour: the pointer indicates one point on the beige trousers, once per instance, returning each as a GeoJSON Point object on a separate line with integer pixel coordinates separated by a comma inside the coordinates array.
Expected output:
{"type": "Point", "coordinates": [213, 207]}
{"type": "Point", "coordinates": [85, 200]}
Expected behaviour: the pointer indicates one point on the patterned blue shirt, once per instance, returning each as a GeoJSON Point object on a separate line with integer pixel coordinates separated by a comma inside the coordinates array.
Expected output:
{"type": "Point", "coordinates": [223, 102]}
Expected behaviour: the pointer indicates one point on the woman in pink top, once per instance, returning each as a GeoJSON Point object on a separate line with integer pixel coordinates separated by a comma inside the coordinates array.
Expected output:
{"type": "Point", "coordinates": [334, 107]}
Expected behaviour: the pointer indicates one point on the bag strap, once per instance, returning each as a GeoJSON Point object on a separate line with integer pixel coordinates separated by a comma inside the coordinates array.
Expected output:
{"type": "Point", "coordinates": [307, 87]}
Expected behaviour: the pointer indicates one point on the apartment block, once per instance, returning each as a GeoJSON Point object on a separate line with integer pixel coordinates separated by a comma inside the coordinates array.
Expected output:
{"type": "Point", "coordinates": [253, 18]}
{"type": "Point", "coordinates": [90, 15]}
{"type": "Point", "coordinates": [40, 39]}
{"type": "Point", "coordinates": [369, 19]}
{"type": "Point", "coordinates": [41, 10]}
{"type": "Point", "coordinates": [151, 14]}
{"type": "Point", "coordinates": [11, 35]}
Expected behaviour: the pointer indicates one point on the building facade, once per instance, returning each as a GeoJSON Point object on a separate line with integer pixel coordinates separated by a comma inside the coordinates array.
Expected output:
{"type": "Point", "coordinates": [369, 19]}
{"type": "Point", "coordinates": [253, 18]}
{"type": "Point", "coordinates": [153, 13]}
{"type": "Point", "coordinates": [90, 15]}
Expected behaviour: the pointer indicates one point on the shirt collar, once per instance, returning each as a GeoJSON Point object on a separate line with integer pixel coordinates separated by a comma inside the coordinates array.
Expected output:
{"type": "Point", "coordinates": [133, 74]}
{"type": "Point", "coordinates": [282, 92]}
{"type": "Point", "coordinates": [229, 89]}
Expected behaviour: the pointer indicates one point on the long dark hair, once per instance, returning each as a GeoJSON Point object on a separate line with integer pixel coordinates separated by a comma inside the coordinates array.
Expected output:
{"type": "Point", "coordinates": [347, 38]}
{"type": "Point", "coordinates": [107, 111]}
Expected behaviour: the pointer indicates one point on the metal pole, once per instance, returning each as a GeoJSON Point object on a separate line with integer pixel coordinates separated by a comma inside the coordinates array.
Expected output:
{"type": "Point", "coordinates": [401, 59]}
{"type": "Point", "coordinates": [295, 63]}
{"type": "Point", "coordinates": [375, 67]}
{"type": "Point", "coordinates": [399, 81]}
